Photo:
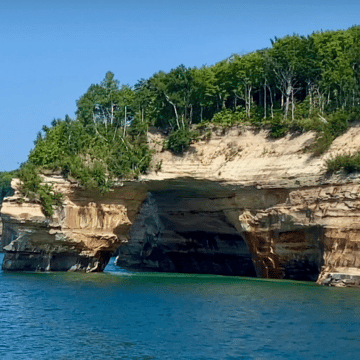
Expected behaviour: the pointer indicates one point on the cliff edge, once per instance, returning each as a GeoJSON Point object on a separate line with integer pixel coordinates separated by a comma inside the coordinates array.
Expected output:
{"type": "Point", "coordinates": [238, 203]}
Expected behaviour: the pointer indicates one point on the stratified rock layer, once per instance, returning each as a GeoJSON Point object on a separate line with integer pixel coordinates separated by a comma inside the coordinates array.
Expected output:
{"type": "Point", "coordinates": [237, 204]}
{"type": "Point", "coordinates": [182, 230]}
{"type": "Point", "coordinates": [298, 234]}
{"type": "Point", "coordinates": [81, 236]}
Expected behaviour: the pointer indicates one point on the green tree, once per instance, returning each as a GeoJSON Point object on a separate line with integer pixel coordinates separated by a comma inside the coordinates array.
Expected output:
{"type": "Point", "coordinates": [204, 91]}
{"type": "Point", "coordinates": [86, 104]}
{"type": "Point", "coordinates": [5, 184]}
{"type": "Point", "coordinates": [222, 83]}
{"type": "Point", "coordinates": [173, 96]}
{"type": "Point", "coordinates": [247, 74]}
{"type": "Point", "coordinates": [286, 59]}
{"type": "Point", "coordinates": [337, 59]}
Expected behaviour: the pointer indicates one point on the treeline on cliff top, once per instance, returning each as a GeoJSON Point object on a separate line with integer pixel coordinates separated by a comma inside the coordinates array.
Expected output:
{"type": "Point", "coordinates": [299, 83]}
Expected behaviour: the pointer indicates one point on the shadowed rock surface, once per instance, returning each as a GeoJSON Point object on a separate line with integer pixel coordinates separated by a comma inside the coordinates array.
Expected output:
{"type": "Point", "coordinates": [238, 204]}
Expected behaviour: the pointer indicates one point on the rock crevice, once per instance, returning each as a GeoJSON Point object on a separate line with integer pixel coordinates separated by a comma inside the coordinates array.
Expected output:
{"type": "Point", "coordinates": [268, 210]}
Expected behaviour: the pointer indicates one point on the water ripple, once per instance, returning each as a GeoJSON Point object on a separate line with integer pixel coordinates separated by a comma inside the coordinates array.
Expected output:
{"type": "Point", "coordinates": [122, 315]}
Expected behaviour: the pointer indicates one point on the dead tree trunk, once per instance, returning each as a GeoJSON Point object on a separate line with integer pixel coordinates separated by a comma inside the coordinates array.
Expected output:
{"type": "Point", "coordinates": [175, 110]}
{"type": "Point", "coordinates": [125, 118]}
{"type": "Point", "coordinates": [265, 99]}
{"type": "Point", "coordinates": [292, 105]}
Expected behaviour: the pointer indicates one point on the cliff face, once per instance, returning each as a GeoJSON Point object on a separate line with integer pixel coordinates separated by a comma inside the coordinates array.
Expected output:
{"type": "Point", "coordinates": [81, 235]}
{"type": "Point", "coordinates": [237, 204]}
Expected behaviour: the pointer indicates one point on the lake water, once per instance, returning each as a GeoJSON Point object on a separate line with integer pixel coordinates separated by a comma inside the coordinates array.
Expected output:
{"type": "Point", "coordinates": [120, 315]}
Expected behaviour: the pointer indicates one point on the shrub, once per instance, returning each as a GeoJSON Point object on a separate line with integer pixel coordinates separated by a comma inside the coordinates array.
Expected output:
{"type": "Point", "coordinates": [338, 123]}
{"type": "Point", "coordinates": [278, 127]}
{"type": "Point", "coordinates": [32, 188]}
{"type": "Point", "coordinates": [93, 154]}
{"type": "Point", "coordinates": [348, 162]}
{"type": "Point", "coordinates": [321, 143]}
{"type": "Point", "coordinates": [227, 117]}
{"type": "Point", "coordinates": [48, 199]}
{"type": "Point", "coordinates": [30, 180]}
{"type": "Point", "coordinates": [5, 184]}
{"type": "Point", "coordinates": [224, 118]}
{"type": "Point", "coordinates": [312, 123]}
{"type": "Point", "coordinates": [179, 140]}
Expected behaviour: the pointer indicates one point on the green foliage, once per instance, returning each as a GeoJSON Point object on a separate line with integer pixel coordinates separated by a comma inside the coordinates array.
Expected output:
{"type": "Point", "coordinates": [93, 150]}
{"type": "Point", "coordinates": [92, 175]}
{"type": "Point", "coordinates": [228, 117]}
{"type": "Point", "coordinates": [321, 143]}
{"type": "Point", "coordinates": [158, 166]}
{"type": "Point", "coordinates": [33, 188]}
{"type": "Point", "coordinates": [337, 124]}
{"type": "Point", "coordinates": [48, 199]}
{"type": "Point", "coordinates": [292, 86]}
{"type": "Point", "coordinates": [106, 103]}
{"type": "Point", "coordinates": [5, 184]}
{"type": "Point", "coordinates": [348, 162]}
{"type": "Point", "coordinates": [287, 86]}
{"type": "Point", "coordinates": [279, 127]}
{"type": "Point", "coordinates": [179, 140]}
{"type": "Point", "coordinates": [327, 129]}
{"type": "Point", "coordinates": [296, 78]}
{"type": "Point", "coordinates": [31, 180]}
{"type": "Point", "coordinates": [92, 155]}
{"type": "Point", "coordinates": [100, 145]}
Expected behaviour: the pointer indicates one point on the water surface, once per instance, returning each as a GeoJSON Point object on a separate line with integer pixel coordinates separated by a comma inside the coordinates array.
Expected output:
{"type": "Point", "coordinates": [121, 315]}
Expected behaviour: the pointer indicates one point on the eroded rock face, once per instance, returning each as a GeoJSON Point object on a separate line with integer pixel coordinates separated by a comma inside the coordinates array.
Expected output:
{"type": "Point", "coordinates": [81, 236]}
{"type": "Point", "coordinates": [315, 233]}
{"type": "Point", "coordinates": [168, 236]}
{"type": "Point", "coordinates": [309, 233]}
{"type": "Point", "coordinates": [238, 204]}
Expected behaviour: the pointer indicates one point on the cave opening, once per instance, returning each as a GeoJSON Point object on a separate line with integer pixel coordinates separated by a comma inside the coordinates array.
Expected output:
{"type": "Point", "coordinates": [176, 232]}
{"type": "Point", "coordinates": [194, 228]}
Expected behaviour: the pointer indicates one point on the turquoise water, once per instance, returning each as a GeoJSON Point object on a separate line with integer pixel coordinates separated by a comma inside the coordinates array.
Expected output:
{"type": "Point", "coordinates": [118, 315]}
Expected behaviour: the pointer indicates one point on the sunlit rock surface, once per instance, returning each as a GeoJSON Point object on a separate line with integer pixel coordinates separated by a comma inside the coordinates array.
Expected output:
{"type": "Point", "coordinates": [236, 204]}
{"type": "Point", "coordinates": [81, 236]}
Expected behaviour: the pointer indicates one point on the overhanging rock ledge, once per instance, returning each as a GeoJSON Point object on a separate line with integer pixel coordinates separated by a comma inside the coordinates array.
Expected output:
{"type": "Point", "coordinates": [237, 204]}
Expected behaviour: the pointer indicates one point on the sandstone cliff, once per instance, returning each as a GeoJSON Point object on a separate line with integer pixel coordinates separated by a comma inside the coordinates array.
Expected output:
{"type": "Point", "coordinates": [236, 204]}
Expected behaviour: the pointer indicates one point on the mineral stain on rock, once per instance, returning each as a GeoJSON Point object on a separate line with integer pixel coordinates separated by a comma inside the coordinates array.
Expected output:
{"type": "Point", "coordinates": [270, 214]}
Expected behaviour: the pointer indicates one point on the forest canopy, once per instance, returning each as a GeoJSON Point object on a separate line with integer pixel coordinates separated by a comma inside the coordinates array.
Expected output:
{"type": "Point", "coordinates": [298, 83]}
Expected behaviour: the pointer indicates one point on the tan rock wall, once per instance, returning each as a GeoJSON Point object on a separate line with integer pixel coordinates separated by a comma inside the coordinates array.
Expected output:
{"type": "Point", "coordinates": [245, 194]}
{"type": "Point", "coordinates": [84, 228]}
{"type": "Point", "coordinates": [246, 156]}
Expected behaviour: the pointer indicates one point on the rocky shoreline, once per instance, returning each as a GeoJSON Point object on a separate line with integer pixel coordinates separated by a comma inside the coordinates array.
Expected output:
{"type": "Point", "coordinates": [236, 204]}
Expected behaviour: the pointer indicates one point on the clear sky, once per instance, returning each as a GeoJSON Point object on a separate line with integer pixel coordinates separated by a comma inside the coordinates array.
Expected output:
{"type": "Point", "coordinates": [52, 51]}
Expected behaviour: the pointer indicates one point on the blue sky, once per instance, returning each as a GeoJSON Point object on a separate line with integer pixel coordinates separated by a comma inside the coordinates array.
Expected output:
{"type": "Point", "coordinates": [52, 51]}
